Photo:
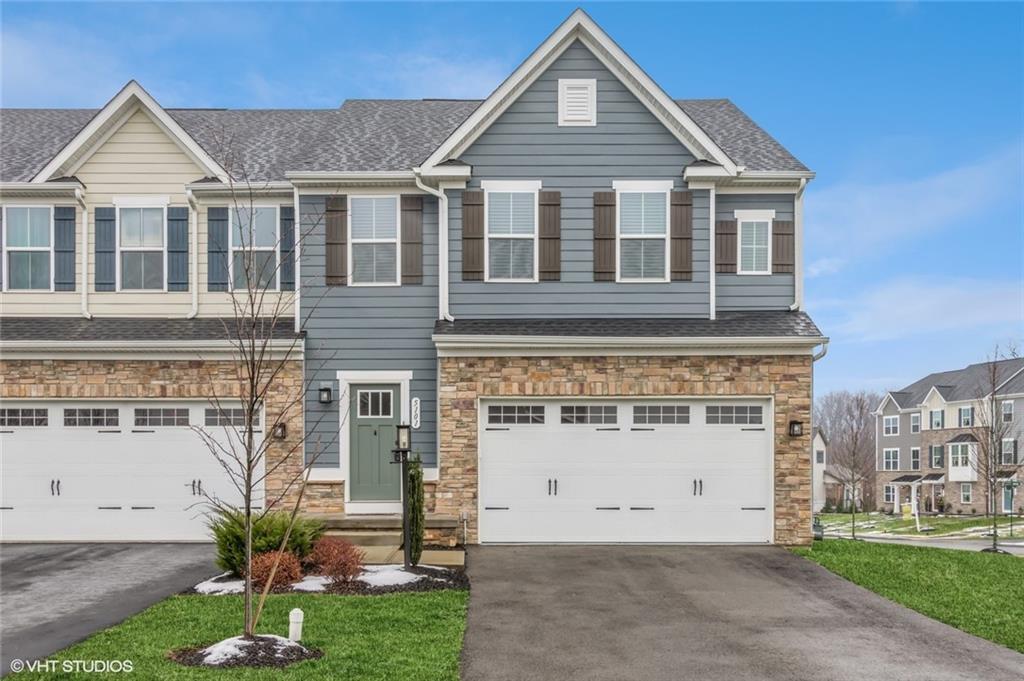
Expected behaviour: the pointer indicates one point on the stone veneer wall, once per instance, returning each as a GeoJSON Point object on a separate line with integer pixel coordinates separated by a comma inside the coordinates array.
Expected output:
{"type": "Point", "coordinates": [464, 380]}
{"type": "Point", "coordinates": [177, 379]}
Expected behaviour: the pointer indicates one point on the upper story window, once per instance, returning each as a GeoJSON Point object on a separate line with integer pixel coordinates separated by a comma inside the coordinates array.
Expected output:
{"type": "Point", "coordinates": [965, 417]}
{"type": "Point", "coordinates": [254, 240]}
{"type": "Point", "coordinates": [820, 456]}
{"type": "Point", "coordinates": [642, 230]}
{"type": "Point", "coordinates": [937, 419]}
{"type": "Point", "coordinates": [1007, 411]}
{"type": "Point", "coordinates": [890, 425]}
{"type": "Point", "coordinates": [959, 454]}
{"type": "Point", "coordinates": [1008, 450]}
{"type": "Point", "coordinates": [915, 458]}
{"type": "Point", "coordinates": [754, 242]}
{"type": "Point", "coordinates": [936, 452]}
{"type": "Point", "coordinates": [28, 235]}
{"type": "Point", "coordinates": [891, 459]}
{"type": "Point", "coordinates": [510, 218]}
{"type": "Point", "coordinates": [374, 244]}
{"type": "Point", "coordinates": [577, 101]}
{"type": "Point", "coordinates": [915, 422]}
{"type": "Point", "coordinates": [141, 243]}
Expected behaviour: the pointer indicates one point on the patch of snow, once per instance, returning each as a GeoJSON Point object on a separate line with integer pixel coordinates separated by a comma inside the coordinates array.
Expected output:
{"type": "Point", "coordinates": [312, 583]}
{"type": "Point", "coordinates": [387, 575]}
{"type": "Point", "coordinates": [218, 585]}
{"type": "Point", "coordinates": [234, 647]}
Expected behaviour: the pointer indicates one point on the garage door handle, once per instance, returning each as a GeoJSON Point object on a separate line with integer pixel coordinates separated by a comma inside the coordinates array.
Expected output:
{"type": "Point", "coordinates": [193, 488]}
{"type": "Point", "coordinates": [609, 508]}
{"type": "Point", "coordinates": [702, 487]}
{"type": "Point", "coordinates": [641, 428]}
{"type": "Point", "coordinates": [641, 508]}
{"type": "Point", "coordinates": [695, 487]}
{"type": "Point", "coordinates": [496, 429]}
{"type": "Point", "coordinates": [495, 508]}
{"type": "Point", "coordinates": [200, 485]}
{"type": "Point", "coordinates": [549, 487]}
{"type": "Point", "coordinates": [757, 429]}
{"type": "Point", "coordinates": [51, 487]}
{"type": "Point", "coordinates": [752, 508]}
{"type": "Point", "coordinates": [58, 488]}
{"type": "Point", "coordinates": [556, 487]}
{"type": "Point", "coordinates": [607, 429]}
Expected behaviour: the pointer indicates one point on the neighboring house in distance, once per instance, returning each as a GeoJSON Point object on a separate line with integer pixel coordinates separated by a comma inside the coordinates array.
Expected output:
{"type": "Point", "coordinates": [560, 288]}
{"type": "Point", "coordinates": [925, 439]}
{"type": "Point", "coordinates": [819, 454]}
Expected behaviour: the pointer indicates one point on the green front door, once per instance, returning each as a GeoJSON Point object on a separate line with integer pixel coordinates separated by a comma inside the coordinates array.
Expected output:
{"type": "Point", "coordinates": [373, 415]}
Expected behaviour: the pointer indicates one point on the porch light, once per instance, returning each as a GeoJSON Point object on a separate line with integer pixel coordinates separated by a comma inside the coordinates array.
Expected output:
{"type": "Point", "coordinates": [796, 428]}
{"type": "Point", "coordinates": [402, 438]}
{"type": "Point", "coordinates": [326, 394]}
{"type": "Point", "coordinates": [280, 431]}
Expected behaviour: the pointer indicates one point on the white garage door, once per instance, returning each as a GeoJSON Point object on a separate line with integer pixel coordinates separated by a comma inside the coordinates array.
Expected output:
{"type": "Point", "coordinates": [103, 471]}
{"type": "Point", "coordinates": [625, 471]}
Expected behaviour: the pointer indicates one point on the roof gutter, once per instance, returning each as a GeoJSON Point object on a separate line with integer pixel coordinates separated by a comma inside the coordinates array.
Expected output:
{"type": "Point", "coordinates": [524, 341]}
{"type": "Point", "coordinates": [80, 198]}
{"type": "Point", "coordinates": [193, 227]}
{"type": "Point", "coordinates": [798, 227]}
{"type": "Point", "coordinates": [442, 237]}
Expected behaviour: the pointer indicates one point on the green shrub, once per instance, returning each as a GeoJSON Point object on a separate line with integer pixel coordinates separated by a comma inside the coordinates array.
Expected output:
{"type": "Point", "coordinates": [228, 528]}
{"type": "Point", "coordinates": [417, 517]}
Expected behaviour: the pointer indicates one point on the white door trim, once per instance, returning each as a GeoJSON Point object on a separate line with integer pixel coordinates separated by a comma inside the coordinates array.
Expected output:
{"type": "Point", "coordinates": [345, 380]}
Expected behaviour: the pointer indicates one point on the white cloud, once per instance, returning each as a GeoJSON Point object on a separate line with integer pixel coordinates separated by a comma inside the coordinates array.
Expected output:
{"type": "Point", "coordinates": [854, 218]}
{"type": "Point", "coordinates": [915, 306]}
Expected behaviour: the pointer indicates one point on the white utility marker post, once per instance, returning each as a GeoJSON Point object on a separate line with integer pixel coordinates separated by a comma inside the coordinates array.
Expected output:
{"type": "Point", "coordinates": [295, 618]}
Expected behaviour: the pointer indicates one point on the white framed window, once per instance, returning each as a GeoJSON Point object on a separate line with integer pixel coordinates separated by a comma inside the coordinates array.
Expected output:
{"type": "Point", "coordinates": [937, 419]}
{"type": "Point", "coordinates": [1008, 450]}
{"type": "Point", "coordinates": [891, 459]}
{"type": "Point", "coordinates": [577, 101]}
{"type": "Point", "coordinates": [889, 494]}
{"type": "Point", "coordinates": [374, 246]}
{"type": "Point", "coordinates": [915, 422]}
{"type": "Point", "coordinates": [141, 239]}
{"type": "Point", "coordinates": [959, 454]}
{"type": "Point", "coordinates": [890, 425]}
{"type": "Point", "coordinates": [915, 458]}
{"type": "Point", "coordinates": [510, 225]}
{"type": "Point", "coordinates": [936, 452]}
{"type": "Point", "coordinates": [375, 404]}
{"type": "Point", "coordinates": [255, 234]}
{"type": "Point", "coordinates": [965, 492]}
{"type": "Point", "coordinates": [820, 457]}
{"type": "Point", "coordinates": [28, 248]}
{"type": "Point", "coordinates": [754, 241]}
{"type": "Point", "coordinates": [1006, 408]}
{"type": "Point", "coordinates": [642, 234]}
{"type": "Point", "coordinates": [965, 417]}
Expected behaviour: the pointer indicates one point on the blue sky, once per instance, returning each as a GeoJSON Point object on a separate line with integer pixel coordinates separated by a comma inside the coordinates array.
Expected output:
{"type": "Point", "coordinates": [912, 114]}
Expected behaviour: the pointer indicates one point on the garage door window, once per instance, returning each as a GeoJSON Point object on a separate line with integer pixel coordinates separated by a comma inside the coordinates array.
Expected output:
{"type": "Point", "coordinates": [161, 417]}
{"type": "Point", "coordinates": [24, 417]}
{"type": "Point", "coordinates": [589, 414]}
{"type": "Point", "coordinates": [91, 418]}
{"type": "Point", "coordinates": [518, 415]}
{"type": "Point", "coordinates": [739, 415]}
{"type": "Point", "coordinates": [229, 417]}
{"type": "Point", "coordinates": [661, 414]}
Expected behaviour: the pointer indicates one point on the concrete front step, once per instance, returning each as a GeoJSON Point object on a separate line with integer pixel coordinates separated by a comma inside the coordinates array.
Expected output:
{"type": "Point", "coordinates": [383, 555]}
{"type": "Point", "coordinates": [343, 522]}
{"type": "Point", "coordinates": [368, 537]}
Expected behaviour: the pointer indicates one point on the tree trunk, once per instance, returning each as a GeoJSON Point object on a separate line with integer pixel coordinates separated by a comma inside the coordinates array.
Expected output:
{"type": "Point", "coordinates": [248, 564]}
{"type": "Point", "coordinates": [853, 521]}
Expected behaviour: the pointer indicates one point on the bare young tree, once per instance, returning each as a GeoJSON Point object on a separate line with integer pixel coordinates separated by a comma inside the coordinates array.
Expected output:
{"type": "Point", "coordinates": [989, 429]}
{"type": "Point", "coordinates": [848, 419]}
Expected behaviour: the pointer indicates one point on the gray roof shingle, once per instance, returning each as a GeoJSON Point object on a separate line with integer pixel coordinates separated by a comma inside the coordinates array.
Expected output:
{"type": "Point", "coordinates": [727, 325]}
{"type": "Point", "coordinates": [128, 329]}
{"type": "Point", "coordinates": [960, 384]}
{"type": "Point", "coordinates": [363, 135]}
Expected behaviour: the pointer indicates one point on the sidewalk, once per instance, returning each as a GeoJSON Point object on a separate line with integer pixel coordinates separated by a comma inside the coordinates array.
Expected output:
{"type": "Point", "coordinates": [1014, 546]}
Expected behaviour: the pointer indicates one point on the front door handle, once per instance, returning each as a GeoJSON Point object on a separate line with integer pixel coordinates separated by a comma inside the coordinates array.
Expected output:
{"type": "Point", "coordinates": [702, 486]}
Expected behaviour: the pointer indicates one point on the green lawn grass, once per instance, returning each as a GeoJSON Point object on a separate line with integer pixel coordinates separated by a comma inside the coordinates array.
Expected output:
{"type": "Point", "coordinates": [980, 593]}
{"type": "Point", "coordinates": [414, 636]}
{"type": "Point", "coordinates": [897, 525]}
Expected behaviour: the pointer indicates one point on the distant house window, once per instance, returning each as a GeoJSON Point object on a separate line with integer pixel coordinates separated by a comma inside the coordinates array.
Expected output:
{"type": "Point", "coordinates": [915, 423]}
{"type": "Point", "coordinates": [820, 456]}
{"type": "Point", "coordinates": [965, 417]}
{"type": "Point", "coordinates": [935, 454]}
{"type": "Point", "coordinates": [1009, 451]}
{"type": "Point", "coordinates": [1007, 409]}
{"type": "Point", "coordinates": [511, 225]}
{"type": "Point", "coordinates": [891, 459]}
{"type": "Point", "coordinates": [254, 238]}
{"type": "Point", "coordinates": [141, 247]}
{"type": "Point", "coordinates": [28, 246]}
{"type": "Point", "coordinates": [915, 458]}
{"type": "Point", "coordinates": [889, 494]}
{"type": "Point", "coordinates": [965, 492]}
{"type": "Point", "coordinates": [577, 101]}
{"type": "Point", "coordinates": [959, 454]}
{"type": "Point", "coordinates": [890, 425]}
{"type": "Point", "coordinates": [642, 230]}
{"type": "Point", "coordinates": [739, 415]}
{"type": "Point", "coordinates": [937, 419]}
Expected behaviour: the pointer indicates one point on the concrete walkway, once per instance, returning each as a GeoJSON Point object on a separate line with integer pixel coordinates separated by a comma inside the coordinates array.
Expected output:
{"type": "Point", "coordinates": [1014, 546]}
{"type": "Point", "coordinates": [53, 595]}
{"type": "Point", "coordinates": [652, 613]}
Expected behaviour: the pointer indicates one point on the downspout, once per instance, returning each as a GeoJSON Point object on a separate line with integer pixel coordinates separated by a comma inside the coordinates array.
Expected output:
{"type": "Point", "coordinates": [85, 253]}
{"type": "Point", "coordinates": [442, 238]}
{"type": "Point", "coordinates": [798, 224]}
{"type": "Point", "coordinates": [297, 253]}
{"type": "Point", "coordinates": [193, 220]}
{"type": "Point", "coordinates": [712, 275]}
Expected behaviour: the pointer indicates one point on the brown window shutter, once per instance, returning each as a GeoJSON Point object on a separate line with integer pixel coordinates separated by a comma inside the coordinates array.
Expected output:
{"type": "Point", "coordinates": [725, 246]}
{"type": "Point", "coordinates": [783, 246]}
{"type": "Point", "coordinates": [472, 236]}
{"type": "Point", "coordinates": [604, 236]}
{"type": "Point", "coordinates": [336, 220]}
{"type": "Point", "coordinates": [412, 239]}
{"type": "Point", "coordinates": [550, 236]}
{"type": "Point", "coordinates": [681, 219]}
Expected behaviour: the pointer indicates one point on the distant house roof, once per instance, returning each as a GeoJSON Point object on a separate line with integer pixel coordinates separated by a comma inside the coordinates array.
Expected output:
{"type": "Point", "coordinates": [971, 382]}
{"type": "Point", "coordinates": [818, 431]}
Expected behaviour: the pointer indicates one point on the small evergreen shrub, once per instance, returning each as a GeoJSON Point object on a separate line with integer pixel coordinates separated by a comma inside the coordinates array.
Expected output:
{"type": "Point", "coordinates": [417, 515]}
{"type": "Point", "coordinates": [288, 570]}
{"type": "Point", "coordinates": [336, 558]}
{"type": "Point", "coordinates": [228, 529]}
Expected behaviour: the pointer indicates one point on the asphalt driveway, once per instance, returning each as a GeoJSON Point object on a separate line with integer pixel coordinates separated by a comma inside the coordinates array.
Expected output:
{"type": "Point", "coordinates": [699, 612]}
{"type": "Point", "coordinates": [52, 595]}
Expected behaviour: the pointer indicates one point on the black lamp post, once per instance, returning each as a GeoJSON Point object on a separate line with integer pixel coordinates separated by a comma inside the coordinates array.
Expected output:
{"type": "Point", "coordinates": [401, 457]}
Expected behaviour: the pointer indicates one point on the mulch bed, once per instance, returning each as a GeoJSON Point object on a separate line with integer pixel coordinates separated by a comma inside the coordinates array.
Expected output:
{"type": "Point", "coordinates": [263, 652]}
{"type": "Point", "coordinates": [450, 579]}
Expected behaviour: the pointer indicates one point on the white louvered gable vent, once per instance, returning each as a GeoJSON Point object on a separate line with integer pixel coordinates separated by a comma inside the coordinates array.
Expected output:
{"type": "Point", "coordinates": [577, 101]}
